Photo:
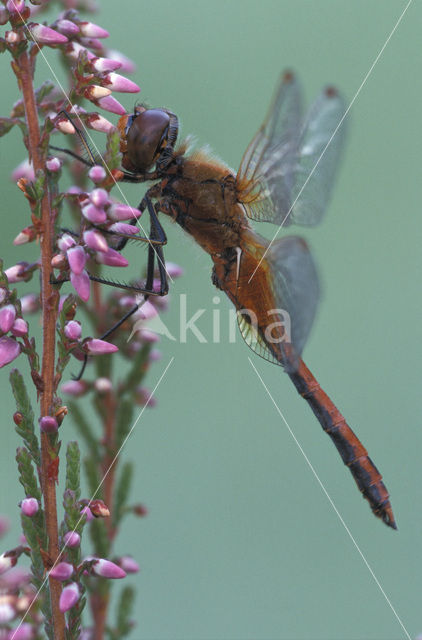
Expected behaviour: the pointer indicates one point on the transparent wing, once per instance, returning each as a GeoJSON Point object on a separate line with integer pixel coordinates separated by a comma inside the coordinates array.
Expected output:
{"type": "Point", "coordinates": [265, 176]}
{"type": "Point", "coordinates": [288, 170]}
{"type": "Point", "coordinates": [294, 283]}
{"type": "Point", "coordinates": [318, 158]}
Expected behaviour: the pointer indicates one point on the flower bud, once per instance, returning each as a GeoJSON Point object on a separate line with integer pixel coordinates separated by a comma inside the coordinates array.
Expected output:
{"type": "Point", "coordinates": [94, 214]}
{"type": "Point", "coordinates": [111, 104]}
{"type": "Point", "coordinates": [99, 123]}
{"type": "Point", "coordinates": [123, 228]}
{"type": "Point", "coordinates": [26, 235]}
{"type": "Point", "coordinates": [48, 424]}
{"type": "Point", "coordinates": [77, 258]}
{"type": "Point", "coordinates": [119, 211]}
{"type": "Point", "coordinates": [81, 284]}
{"type": "Point", "coordinates": [23, 170]}
{"type": "Point", "coordinates": [99, 509]}
{"type": "Point", "coordinates": [20, 328]}
{"type": "Point", "coordinates": [62, 571]}
{"type": "Point", "coordinates": [53, 164]}
{"type": "Point", "coordinates": [67, 27]}
{"type": "Point", "coordinates": [64, 125]}
{"type": "Point", "coordinates": [99, 197]}
{"type": "Point", "coordinates": [15, 6]}
{"type": "Point", "coordinates": [72, 539]}
{"type": "Point", "coordinates": [7, 317]}
{"type": "Point", "coordinates": [95, 92]}
{"type": "Point", "coordinates": [29, 507]}
{"type": "Point", "coordinates": [8, 559]}
{"type": "Point", "coordinates": [9, 350]}
{"type": "Point", "coordinates": [97, 173]}
{"type": "Point", "coordinates": [72, 330]}
{"type": "Point", "coordinates": [69, 597]}
{"type": "Point", "coordinates": [103, 385]}
{"type": "Point", "coordinates": [86, 511]}
{"type": "Point", "coordinates": [91, 30]}
{"type": "Point", "coordinates": [29, 303]}
{"type": "Point", "coordinates": [105, 64]}
{"type": "Point", "coordinates": [74, 388]}
{"type": "Point", "coordinates": [127, 65]}
{"type": "Point", "coordinates": [45, 35]}
{"type": "Point", "coordinates": [106, 569]}
{"type": "Point", "coordinates": [97, 347]}
{"type": "Point", "coordinates": [16, 273]}
{"type": "Point", "coordinates": [112, 258]}
{"type": "Point", "coordinates": [140, 510]}
{"type": "Point", "coordinates": [128, 564]}
{"type": "Point", "coordinates": [66, 242]}
{"type": "Point", "coordinates": [95, 240]}
{"type": "Point", "coordinates": [116, 82]}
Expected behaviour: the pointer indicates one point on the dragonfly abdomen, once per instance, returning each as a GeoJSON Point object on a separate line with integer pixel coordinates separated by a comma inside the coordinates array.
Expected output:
{"type": "Point", "coordinates": [351, 450]}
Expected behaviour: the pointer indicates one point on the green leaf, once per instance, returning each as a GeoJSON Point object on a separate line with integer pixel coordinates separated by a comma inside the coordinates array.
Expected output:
{"type": "Point", "coordinates": [23, 405]}
{"type": "Point", "coordinates": [73, 469]}
{"type": "Point", "coordinates": [124, 421]}
{"type": "Point", "coordinates": [93, 478]}
{"type": "Point", "coordinates": [124, 611]}
{"type": "Point", "coordinates": [99, 537]}
{"type": "Point", "coordinates": [27, 476]}
{"type": "Point", "coordinates": [44, 90]}
{"type": "Point", "coordinates": [5, 125]}
{"type": "Point", "coordinates": [122, 492]}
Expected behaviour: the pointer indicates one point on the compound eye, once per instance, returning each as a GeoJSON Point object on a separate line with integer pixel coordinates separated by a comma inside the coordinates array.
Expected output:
{"type": "Point", "coordinates": [145, 138]}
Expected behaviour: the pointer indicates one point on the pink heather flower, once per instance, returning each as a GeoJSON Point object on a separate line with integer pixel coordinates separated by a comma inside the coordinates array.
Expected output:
{"type": "Point", "coordinates": [91, 30]}
{"type": "Point", "coordinates": [74, 190]}
{"type": "Point", "coordinates": [29, 507]}
{"type": "Point", "coordinates": [99, 509]}
{"type": "Point", "coordinates": [67, 27]}
{"type": "Point", "coordinates": [48, 424]}
{"type": "Point", "coordinates": [146, 335]}
{"type": "Point", "coordinates": [20, 328]}
{"type": "Point", "coordinates": [126, 229]}
{"type": "Point", "coordinates": [66, 242]}
{"type": "Point", "coordinates": [30, 303]}
{"type": "Point", "coordinates": [16, 273]}
{"type": "Point", "coordinates": [105, 64]}
{"type": "Point", "coordinates": [74, 388]}
{"type": "Point", "coordinates": [94, 214]}
{"type": "Point", "coordinates": [106, 569]}
{"type": "Point", "coordinates": [88, 513]}
{"type": "Point", "coordinates": [7, 317]}
{"type": "Point", "coordinates": [155, 355]}
{"type": "Point", "coordinates": [96, 347]}
{"type": "Point", "coordinates": [145, 398]}
{"type": "Point", "coordinates": [95, 240]}
{"type": "Point", "coordinates": [26, 235]}
{"type": "Point", "coordinates": [25, 631]}
{"type": "Point", "coordinates": [112, 258]}
{"type": "Point", "coordinates": [69, 597]}
{"type": "Point", "coordinates": [111, 104]}
{"type": "Point", "coordinates": [80, 282]}
{"type": "Point", "coordinates": [13, 37]}
{"type": "Point", "coordinates": [15, 6]}
{"type": "Point", "coordinates": [119, 211]}
{"type": "Point", "coordinates": [97, 173]}
{"type": "Point", "coordinates": [73, 49]}
{"type": "Point", "coordinates": [94, 92]}
{"type": "Point", "coordinates": [145, 312]}
{"type": "Point", "coordinates": [103, 385]}
{"type": "Point", "coordinates": [174, 270]}
{"type": "Point", "coordinates": [62, 571]}
{"type": "Point", "coordinates": [8, 559]}
{"type": "Point", "coordinates": [77, 258]}
{"type": "Point", "coordinates": [9, 350]}
{"type": "Point", "coordinates": [97, 122]}
{"type": "Point", "coordinates": [127, 65]}
{"type": "Point", "coordinates": [116, 82]}
{"type": "Point", "coordinates": [72, 539]}
{"type": "Point", "coordinates": [65, 126]}
{"type": "Point", "coordinates": [53, 164]}
{"type": "Point", "coordinates": [45, 35]}
{"type": "Point", "coordinates": [23, 170]}
{"type": "Point", "coordinates": [7, 612]}
{"type": "Point", "coordinates": [99, 197]}
{"type": "Point", "coordinates": [59, 261]}
{"type": "Point", "coordinates": [72, 330]}
{"type": "Point", "coordinates": [128, 564]}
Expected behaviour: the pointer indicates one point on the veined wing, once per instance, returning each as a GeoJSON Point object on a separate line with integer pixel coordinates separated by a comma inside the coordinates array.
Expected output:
{"type": "Point", "coordinates": [287, 172]}
{"type": "Point", "coordinates": [291, 276]}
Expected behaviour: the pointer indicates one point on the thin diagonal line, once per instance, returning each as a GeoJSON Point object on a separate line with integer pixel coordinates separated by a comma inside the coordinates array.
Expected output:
{"type": "Point", "coordinates": [88, 135]}
{"type": "Point", "coordinates": [332, 136]}
{"type": "Point", "coordinates": [94, 494]}
{"type": "Point", "coordinates": [330, 500]}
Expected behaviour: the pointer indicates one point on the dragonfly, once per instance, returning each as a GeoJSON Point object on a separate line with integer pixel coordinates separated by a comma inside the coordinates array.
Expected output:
{"type": "Point", "coordinates": [285, 178]}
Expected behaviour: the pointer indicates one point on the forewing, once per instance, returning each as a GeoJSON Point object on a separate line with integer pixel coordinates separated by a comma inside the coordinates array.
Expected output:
{"type": "Point", "coordinates": [265, 176]}
{"type": "Point", "coordinates": [295, 289]}
{"type": "Point", "coordinates": [320, 146]}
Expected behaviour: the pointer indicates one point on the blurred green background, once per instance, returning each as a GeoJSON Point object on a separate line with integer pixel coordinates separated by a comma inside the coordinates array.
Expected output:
{"type": "Point", "coordinates": [241, 542]}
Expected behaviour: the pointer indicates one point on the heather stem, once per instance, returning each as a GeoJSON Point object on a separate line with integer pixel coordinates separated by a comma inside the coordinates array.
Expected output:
{"type": "Point", "coordinates": [49, 314]}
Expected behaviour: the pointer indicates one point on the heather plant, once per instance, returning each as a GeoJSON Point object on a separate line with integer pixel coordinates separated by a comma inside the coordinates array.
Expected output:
{"type": "Point", "coordinates": [79, 231]}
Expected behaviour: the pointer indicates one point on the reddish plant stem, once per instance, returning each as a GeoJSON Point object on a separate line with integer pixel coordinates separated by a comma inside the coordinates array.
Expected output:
{"type": "Point", "coordinates": [49, 314]}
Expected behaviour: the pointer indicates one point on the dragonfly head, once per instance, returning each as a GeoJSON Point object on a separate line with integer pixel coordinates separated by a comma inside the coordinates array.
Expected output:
{"type": "Point", "coordinates": [147, 137]}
